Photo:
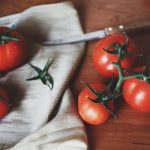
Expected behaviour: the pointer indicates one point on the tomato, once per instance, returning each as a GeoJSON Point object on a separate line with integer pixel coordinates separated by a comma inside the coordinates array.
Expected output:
{"type": "Point", "coordinates": [103, 60]}
{"type": "Point", "coordinates": [137, 94]}
{"type": "Point", "coordinates": [12, 53]}
{"type": "Point", "coordinates": [140, 69]}
{"type": "Point", "coordinates": [93, 113]}
{"type": "Point", "coordinates": [4, 103]}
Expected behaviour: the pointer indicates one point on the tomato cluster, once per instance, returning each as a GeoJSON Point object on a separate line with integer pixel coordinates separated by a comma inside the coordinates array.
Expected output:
{"type": "Point", "coordinates": [13, 53]}
{"type": "Point", "coordinates": [115, 56]}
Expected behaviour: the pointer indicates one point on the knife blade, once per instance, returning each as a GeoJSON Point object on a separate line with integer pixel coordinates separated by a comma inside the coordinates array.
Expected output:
{"type": "Point", "coordinates": [130, 27]}
{"type": "Point", "coordinates": [135, 26]}
{"type": "Point", "coordinates": [77, 38]}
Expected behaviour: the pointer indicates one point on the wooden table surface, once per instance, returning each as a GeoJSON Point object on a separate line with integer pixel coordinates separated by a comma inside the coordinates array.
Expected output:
{"type": "Point", "coordinates": [132, 132]}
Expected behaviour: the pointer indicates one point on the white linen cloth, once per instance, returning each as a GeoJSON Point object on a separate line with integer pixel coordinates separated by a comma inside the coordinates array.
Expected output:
{"type": "Point", "coordinates": [44, 119]}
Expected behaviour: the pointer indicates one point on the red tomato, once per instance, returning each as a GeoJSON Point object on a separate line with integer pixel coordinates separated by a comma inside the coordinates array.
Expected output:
{"type": "Point", "coordinates": [140, 69]}
{"type": "Point", "coordinates": [93, 113]}
{"type": "Point", "coordinates": [12, 53]}
{"type": "Point", "coordinates": [103, 60]}
{"type": "Point", "coordinates": [4, 103]}
{"type": "Point", "coordinates": [137, 94]}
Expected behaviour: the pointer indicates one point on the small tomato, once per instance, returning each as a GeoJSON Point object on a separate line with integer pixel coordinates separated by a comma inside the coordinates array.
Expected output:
{"type": "Point", "coordinates": [12, 52]}
{"type": "Point", "coordinates": [93, 113]}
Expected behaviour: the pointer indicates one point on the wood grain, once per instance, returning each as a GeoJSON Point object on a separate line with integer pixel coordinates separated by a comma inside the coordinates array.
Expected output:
{"type": "Point", "coordinates": [132, 129]}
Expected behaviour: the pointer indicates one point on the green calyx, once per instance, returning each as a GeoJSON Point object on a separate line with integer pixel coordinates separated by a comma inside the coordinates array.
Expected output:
{"type": "Point", "coordinates": [104, 97]}
{"type": "Point", "coordinates": [43, 75]}
{"type": "Point", "coordinates": [121, 50]}
{"type": "Point", "coordinates": [6, 37]}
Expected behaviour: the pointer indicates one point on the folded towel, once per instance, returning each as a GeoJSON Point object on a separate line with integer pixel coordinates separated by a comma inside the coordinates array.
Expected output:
{"type": "Point", "coordinates": [44, 119]}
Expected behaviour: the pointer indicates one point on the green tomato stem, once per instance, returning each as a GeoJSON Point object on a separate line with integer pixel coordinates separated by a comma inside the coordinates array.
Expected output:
{"type": "Point", "coordinates": [122, 77]}
{"type": "Point", "coordinates": [8, 38]}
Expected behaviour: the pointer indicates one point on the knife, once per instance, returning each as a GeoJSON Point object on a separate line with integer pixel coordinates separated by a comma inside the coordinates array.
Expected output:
{"type": "Point", "coordinates": [134, 26]}
{"type": "Point", "coordinates": [128, 28]}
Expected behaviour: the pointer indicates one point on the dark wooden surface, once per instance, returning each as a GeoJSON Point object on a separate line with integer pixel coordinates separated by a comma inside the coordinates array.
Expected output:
{"type": "Point", "coordinates": [132, 131]}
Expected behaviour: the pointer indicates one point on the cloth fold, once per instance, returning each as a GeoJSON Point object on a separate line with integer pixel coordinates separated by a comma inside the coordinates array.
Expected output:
{"type": "Point", "coordinates": [41, 119]}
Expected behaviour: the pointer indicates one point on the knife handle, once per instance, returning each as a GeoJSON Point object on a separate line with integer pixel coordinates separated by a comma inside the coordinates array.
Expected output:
{"type": "Point", "coordinates": [131, 27]}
